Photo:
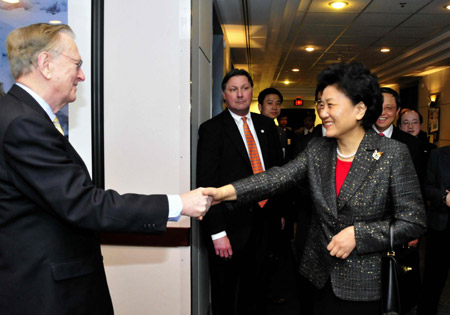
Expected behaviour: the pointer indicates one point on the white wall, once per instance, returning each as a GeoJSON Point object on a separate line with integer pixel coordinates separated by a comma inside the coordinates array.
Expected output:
{"type": "Point", "coordinates": [147, 136]}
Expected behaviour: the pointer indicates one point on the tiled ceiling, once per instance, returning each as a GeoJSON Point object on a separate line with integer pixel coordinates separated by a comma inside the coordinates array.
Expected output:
{"type": "Point", "coordinates": [268, 38]}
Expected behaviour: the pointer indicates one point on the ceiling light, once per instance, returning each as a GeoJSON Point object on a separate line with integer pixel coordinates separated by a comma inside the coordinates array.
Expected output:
{"type": "Point", "coordinates": [385, 50]}
{"type": "Point", "coordinates": [287, 82]}
{"type": "Point", "coordinates": [309, 48]}
{"type": "Point", "coordinates": [338, 4]}
{"type": "Point", "coordinates": [295, 70]}
{"type": "Point", "coordinates": [11, 1]}
{"type": "Point", "coordinates": [54, 22]}
{"type": "Point", "coordinates": [447, 6]}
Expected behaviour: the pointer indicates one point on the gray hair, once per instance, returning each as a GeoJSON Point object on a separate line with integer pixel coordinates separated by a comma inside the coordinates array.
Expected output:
{"type": "Point", "coordinates": [26, 43]}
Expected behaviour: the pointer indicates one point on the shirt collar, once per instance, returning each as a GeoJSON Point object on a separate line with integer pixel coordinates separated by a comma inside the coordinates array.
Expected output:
{"type": "Point", "coordinates": [40, 101]}
{"type": "Point", "coordinates": [387, 132]}
{"type": "Point", "coordinates": [238, 118]}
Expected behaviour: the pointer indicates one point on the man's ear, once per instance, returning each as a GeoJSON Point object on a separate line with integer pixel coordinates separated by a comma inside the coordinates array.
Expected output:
{"type": "Point", "coordinates": [43, 64]}
{"type": "Point", "coordinates": [260, 108]}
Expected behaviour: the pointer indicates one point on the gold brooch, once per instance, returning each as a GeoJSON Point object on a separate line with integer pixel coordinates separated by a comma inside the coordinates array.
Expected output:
{"type": "Point", "coordinates": [376, 155]}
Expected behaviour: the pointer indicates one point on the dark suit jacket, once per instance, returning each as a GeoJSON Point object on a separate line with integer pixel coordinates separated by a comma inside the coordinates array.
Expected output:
{"type": "Point", "coordinates": [223, 158]}
{"type": "Point", "coordinates": [50, 212]}
{"type": "Point", "coordinates": [415, 150]}
{"type": "Point", "coordinates": [437, 181]}
{"type": "Point", "coordinates": [375, 192]}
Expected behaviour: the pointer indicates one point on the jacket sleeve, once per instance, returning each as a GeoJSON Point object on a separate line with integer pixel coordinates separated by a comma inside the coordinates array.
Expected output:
{"type": "Point", "coordinates": [48, 171]}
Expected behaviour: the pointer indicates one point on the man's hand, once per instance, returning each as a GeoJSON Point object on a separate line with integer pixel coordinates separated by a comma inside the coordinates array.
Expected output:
{"type": "Point", "coordinates": [343, 243]}
{"type": "Point", "coordinates": [223, 247]}
{"type": "Point", "coordinates": [195, 203]}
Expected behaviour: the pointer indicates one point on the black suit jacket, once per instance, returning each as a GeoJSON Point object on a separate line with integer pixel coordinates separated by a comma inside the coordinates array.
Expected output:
{"type": "Point", "coordinates": [437, 181]}
{"type": "Point", "coordinates": [50, 212]}
{"type": "Point", "coordinates": [415, 150]}
{"type": "Point", "coordinates": [378, 189]}
{"type": "Point", "coordinates": [223, 158]}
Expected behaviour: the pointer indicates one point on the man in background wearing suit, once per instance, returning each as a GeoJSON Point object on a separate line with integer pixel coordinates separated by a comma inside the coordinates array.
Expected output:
{"type": "Point", "coordinates": [384, 126]}
{"type": "Point", "coordinates": [437, 263]}
{"type": "Point", "coordinates": [230, 145]}
{"type": "Point", "coordinates": [50, 211]}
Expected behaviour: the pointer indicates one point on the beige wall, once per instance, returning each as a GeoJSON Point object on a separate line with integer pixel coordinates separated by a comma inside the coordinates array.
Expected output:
{"type": "Point", "coordinates": [147, 137]}
{"type": "Point", "coordinates": [438, 82]}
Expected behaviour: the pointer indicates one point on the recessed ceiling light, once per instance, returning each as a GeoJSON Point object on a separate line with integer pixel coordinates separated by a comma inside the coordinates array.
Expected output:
{"type": "Point", "coordinates": [447, 6]}
{"type": "Point", "coordinates": [338, 4]}
{"type": "Point", "coordinates": [11, 1]}
{"type": "Point", "coordinates": [309, 48]}
{"type": "Point", "coordinates": [385, 50]}
{"type": "Point", "coordinates": [295, 69]}
{"type": "Point", "coordinates": [54, 22]}
{"type": "Point", "coordinates": [286, 82]}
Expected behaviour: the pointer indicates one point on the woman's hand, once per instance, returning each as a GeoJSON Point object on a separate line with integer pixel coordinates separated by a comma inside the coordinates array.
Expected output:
{"type": "Point", "coordinates": [218, 195]}
{"type": "Point", "coordinates": [343, 243]}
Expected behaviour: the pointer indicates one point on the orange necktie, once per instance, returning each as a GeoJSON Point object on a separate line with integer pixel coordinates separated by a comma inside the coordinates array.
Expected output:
{"type": "Point", "coordinates": [253, 154]}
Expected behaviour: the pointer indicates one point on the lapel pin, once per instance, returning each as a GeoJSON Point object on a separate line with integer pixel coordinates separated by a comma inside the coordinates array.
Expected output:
{"type": "Point", "coordinates": [376, 155]}
{"type": "Point", "coordinates": [262, 130]}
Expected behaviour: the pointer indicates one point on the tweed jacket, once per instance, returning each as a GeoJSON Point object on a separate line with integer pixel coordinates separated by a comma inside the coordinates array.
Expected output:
{"type": "Point", "coordinates": [380, 187]}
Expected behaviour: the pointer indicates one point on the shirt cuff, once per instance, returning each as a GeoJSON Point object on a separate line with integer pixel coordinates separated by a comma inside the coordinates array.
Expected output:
{"type": "Point", "coordinates": [218, 235]}
{"type": "Point", "coordinates": [175, 207]}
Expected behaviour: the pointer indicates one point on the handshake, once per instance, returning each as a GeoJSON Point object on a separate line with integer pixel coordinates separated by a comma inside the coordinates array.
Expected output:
{"type": "Point", "coordinates": [197, 202]}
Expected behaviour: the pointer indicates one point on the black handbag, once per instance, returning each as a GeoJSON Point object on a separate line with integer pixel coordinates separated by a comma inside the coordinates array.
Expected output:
{"type": "Point", "coordinates": [400, 278]}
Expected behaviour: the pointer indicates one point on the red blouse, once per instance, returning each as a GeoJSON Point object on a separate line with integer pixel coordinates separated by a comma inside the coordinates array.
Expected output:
{"type": "Point", "coordinates": [342, 168]}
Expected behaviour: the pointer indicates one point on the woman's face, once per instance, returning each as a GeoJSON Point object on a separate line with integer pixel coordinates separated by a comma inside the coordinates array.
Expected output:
{"type": "Point", "coordinates": [339, 116]}
{"type": "Point", "coordinates": [410, 123]}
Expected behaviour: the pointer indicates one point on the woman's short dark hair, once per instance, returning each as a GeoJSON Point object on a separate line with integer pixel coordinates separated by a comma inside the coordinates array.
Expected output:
{"type": "Point", "coordinates": [357, 82]}
{"type": "Point", "coordinates": [262, 95]}
{"type": "Point", "coordinates": [233, 73]}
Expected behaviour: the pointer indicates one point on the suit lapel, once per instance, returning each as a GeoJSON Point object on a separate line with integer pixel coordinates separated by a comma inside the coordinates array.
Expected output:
{"type": "Point", "coordinates": [232, 130]}
{"type": "Point", "coordinates": [362, 164]}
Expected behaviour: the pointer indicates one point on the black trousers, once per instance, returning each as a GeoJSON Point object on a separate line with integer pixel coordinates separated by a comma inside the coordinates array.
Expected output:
{"type": "Point", "coordinates": [238, 284]}
{"type": "Point", "coordinates": [437, 265]}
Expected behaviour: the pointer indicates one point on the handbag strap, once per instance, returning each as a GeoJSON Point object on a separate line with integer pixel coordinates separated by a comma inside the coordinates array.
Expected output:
{"type": "Point", "coordinates": [391, 237]}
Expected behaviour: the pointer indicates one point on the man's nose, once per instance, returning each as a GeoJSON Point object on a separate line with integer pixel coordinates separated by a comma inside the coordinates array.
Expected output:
{"type": "Point", "coordinates": [81, 75]}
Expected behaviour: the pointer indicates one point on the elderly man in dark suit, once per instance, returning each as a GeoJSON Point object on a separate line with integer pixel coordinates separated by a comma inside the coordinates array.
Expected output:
{"type": "Point", "coordinates": [50, 211]}
{"type": "Point", "coordinates": [231, 146]}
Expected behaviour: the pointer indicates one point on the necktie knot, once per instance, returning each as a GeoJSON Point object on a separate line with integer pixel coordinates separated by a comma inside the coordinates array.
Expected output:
{"type": "Point", "coordinates": [381, 134]}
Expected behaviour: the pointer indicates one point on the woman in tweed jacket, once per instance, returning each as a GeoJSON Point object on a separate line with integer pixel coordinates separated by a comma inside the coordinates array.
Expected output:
{"type": "Point", "coordinates": [359, 182]}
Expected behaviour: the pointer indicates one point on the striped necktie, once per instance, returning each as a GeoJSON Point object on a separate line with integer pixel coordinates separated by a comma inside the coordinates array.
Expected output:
{"type": "Point", "coordinates": [58, 125]}
{"type": "Point", "coordinates": [253, 154]}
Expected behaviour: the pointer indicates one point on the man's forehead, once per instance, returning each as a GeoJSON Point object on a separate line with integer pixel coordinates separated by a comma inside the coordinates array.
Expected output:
{"type": "Point", "coordinates": [238, 80]}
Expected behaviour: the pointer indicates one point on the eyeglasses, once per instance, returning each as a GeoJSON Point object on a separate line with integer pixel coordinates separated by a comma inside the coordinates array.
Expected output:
{"type": "Point", "coordinates": [79, 63]}
{"type": "Point", "coordinates": [410, 123]}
